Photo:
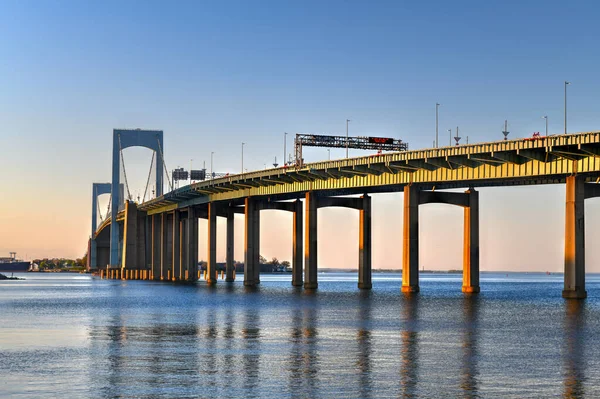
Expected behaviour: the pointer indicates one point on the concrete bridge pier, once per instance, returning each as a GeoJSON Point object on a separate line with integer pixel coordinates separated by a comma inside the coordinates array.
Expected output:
{"type": "Point", "coordinates": [156, 240]}
{"type": "Point", "coordinates": [410, 240]}
{"type": "Point", "coordinates": [310, 246]}
{"type": "Point", "coordinates": [413, 197]}
{"type": "Point", "coordinates": [229, 265]}
{"type": "Point", "coordinates": [134, 241]}
{"type": "Point", "coordinates": [577, 191]}
{"type": "Point", "coordinates": [211, 265]}
{"type": "Point", "coordinates": [363, 205]}
{"type": "Point", "coordinates": [166, 255]}
{"type": "Point", "coordinates": [297, 254]}
{"type": "Point", "coordinates": [176, 246]}
{"type": "Point", "coordinates": [184, 247]}
{"type": "Point", "coordinates": [364, 244]}
{"type": "Point", "coordinates": [251, 243]}
{"type": "Point", "coordinates": [296, 209]}
{"type": "Point", "coordinates": [471, 244]}
{"type": "Point", "coordinates": [192, 245]}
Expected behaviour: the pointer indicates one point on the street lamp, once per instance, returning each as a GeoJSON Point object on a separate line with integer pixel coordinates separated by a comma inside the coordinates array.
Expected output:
{"type": "Point", "coordinates": [546, 118]}
{"type": "Point", "coordinates": [450, 135]}
{"type": "Point", "coordinates": [437, 106]}
{"type": "Point", "coordinates": [284, 147]}
{"type": "Point", "coordinates": [243, 157]}
{"type": "Point", "coordinates": [329, 154]}
{"type": "Point", "coordinates": [212, 175]}
{"type": "Point", "coordinates": [566, 83]}
{"type": "Point", "coordinates": [347, 120]}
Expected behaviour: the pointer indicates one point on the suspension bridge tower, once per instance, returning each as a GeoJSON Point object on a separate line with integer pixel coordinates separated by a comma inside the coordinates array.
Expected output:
{"type": "Point", "coordinates": [125, 138]}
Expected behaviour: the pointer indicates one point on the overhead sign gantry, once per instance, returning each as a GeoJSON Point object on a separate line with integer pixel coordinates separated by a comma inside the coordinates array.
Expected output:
{"type": "Point", "coordinates": [361, 143]}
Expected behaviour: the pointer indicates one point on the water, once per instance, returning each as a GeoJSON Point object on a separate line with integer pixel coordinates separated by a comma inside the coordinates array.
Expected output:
{"type": "Point", "coordinates": [76, 337]}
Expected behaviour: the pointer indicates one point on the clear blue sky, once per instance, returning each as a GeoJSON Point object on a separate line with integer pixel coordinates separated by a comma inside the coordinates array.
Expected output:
{"type": "Point", "coordinates": [214, 74]}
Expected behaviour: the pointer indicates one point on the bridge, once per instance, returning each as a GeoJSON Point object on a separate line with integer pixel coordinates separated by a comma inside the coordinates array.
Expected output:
{"type": "Point", "coordinates": [158, 239]}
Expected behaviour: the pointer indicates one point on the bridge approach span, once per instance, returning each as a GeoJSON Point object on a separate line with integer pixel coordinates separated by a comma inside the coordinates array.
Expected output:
{"type": "Point", "coordinates": [572, 159]}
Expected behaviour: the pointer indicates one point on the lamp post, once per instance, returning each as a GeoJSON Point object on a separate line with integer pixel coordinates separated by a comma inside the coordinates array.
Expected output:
{"type": "Point", "coordinates": [546, 118]}
{"type": "Point", "coordinates": [212, 176]}
{"type": "Point", "coordinates": [566, 83]}
{"type": "Point", "coordinates": [437, 106]}
{"type": "Point", "coordinates": [329, 154]}
{"type": "Point", "coordinates": [347, 120]}
{"type": "Point", "coordinates": [243, 157]}
{"type": "Point", "coordinates": [284, 147]}
{"type": "Point", "coordinates": [450, 135]}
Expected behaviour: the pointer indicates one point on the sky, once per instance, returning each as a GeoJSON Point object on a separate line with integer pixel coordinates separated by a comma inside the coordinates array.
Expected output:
{"type": "Point", "coordinates": [214, 74]}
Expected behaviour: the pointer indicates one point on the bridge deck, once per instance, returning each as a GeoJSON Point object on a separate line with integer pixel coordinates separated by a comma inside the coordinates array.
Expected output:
{"type": "Point", "coordinates": [527, 161]}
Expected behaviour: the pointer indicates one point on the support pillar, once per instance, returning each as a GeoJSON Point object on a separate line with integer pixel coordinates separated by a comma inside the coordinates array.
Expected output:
{"type": "Point", "coordinates": [310, 248]}
{"type": "Point", "coordinates": [164, 246]}
{"type": "Point", "coordinates": [574, 287]}
{"type": "Point", "coordinates": [192, 245]}
{"type": "Point", "coordinates": [229, 265]}
{"type": "Point", "coordinates": [364, 245]}
{"type": "Point", "coordinates": [156, 246]}
{"type": "Point", "coordinates": [148, 243]}
{"type": "Point", "coordinates": [297, 254]}
{"type": "Point", "coordinates": [130, 232]}
{"type": "Point", "coordinates": [256, 236]}
{"type": "Point", "coordinates": [250, 257]}
{"type": "Point", "coordinates": [183, 248]}
{"type": "Point", "coordinates": [211, 265]}
{"type": "Point", "coordinates": [410, 241]}
{"type": "Point", "coordinates": [176, 247]}
{"type": "Point", "coordinates": [471, 244]}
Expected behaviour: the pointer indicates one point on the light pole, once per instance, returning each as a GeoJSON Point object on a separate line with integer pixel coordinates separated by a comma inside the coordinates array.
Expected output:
{"type": "Point", "coordinates": [450, 135]}
{"type": "Point", "coordinates": [546, 118]}
{"type": "Point", "coordinates": [329, 154]}
{"type": "Point", "coordinates": [191, 161]}
{"type": "Point", "coordinates": [284, 147]}
{"type": "Point", "coordinates": [566, 83]}
{"type": "Point", "coordinates": [243, 157]}
{"type": "Point", "coordinates": [347, 120]}
{"type": "Point", "coordinates": [212, 176]}
{"type": "Point", "coordinates": [437, 106]}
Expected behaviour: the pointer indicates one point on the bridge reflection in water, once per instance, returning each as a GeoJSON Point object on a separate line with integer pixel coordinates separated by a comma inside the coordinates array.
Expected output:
{"type": "Point", "coordinates": [266, 342]}
{"type": "Point", "coordinates": [573, 350]}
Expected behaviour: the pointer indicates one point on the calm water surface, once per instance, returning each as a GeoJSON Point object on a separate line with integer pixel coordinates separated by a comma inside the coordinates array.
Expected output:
{"type": "Point", "coordinates": [73, 336]}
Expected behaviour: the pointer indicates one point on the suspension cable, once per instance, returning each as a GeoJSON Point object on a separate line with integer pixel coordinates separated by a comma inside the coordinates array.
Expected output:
{"type": "Point", "coordinates": [162, 157]}
{"type": "Point", "coordinates": [124, 171]}
{"type": "Point", "coordinates": [149, 174]}
{"type": "Point", "coordinates": [108, 206]}
{"type": "Point", "coordinates": [98, 204]}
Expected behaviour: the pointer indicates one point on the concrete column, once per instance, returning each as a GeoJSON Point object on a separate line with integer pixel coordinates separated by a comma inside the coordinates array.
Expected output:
{"type": "Point", "coordinates": [148, 244]}
{"type": "Point", "coordinates": [164, 246]}
{"type": "Point", "coordinates": [141, 240]}
{"type": "Point", "coordinates": [250, 263]}
{"type": "Point", "coordinates": [211, 265]}
{"type": "Point", "coordinates": [471, 244]}
{"type": "Point", "coordinates": [156, 246]}
{"type": "Point", "coordinates": [229, 265]}
{"type": "Point", "coordinates": [297, 254]}
{"type": "Point", "coordinates": [129, 259]}
{"type": "Point", "coordinates": [364, 245]}
{"type": "Point", "coordinates": [176, 245]}
{"type": "Point", "coordinates": [192, 237]}
{"type": "Point", "coordinates": [575, 239]}
{"type": "Point", "coordinates": [257, 244]}
{"type": "Point", "coordinates": [184, 248]}
{"type": "Point", "coordinates": [310, 245]}
{"type": "Point", "coordinates": [410, 241]}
